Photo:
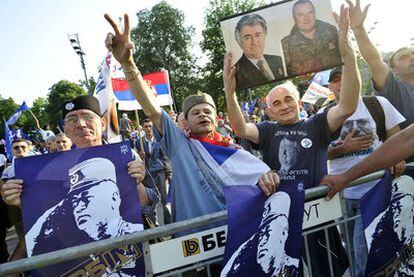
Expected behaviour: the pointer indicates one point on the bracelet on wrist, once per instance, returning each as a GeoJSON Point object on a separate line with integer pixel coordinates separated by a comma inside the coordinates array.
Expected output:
{"type": "Point", "coordinates": [132, 74]}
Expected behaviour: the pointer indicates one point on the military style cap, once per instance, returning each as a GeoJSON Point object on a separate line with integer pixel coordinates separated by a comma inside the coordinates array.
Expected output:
{"type": "Point", "coordinates": [91, 173]}
{"type": "Point", "coordinates": [278, 204]}
{"type": "Point", "coordinates": [334, 72]}
{"type": "Point", "coordinates": [86, 102]}
{"type": "Point", "coordinates": [195, 99]}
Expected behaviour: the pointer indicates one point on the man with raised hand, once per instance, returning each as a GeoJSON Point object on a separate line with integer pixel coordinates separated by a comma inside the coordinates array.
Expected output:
{"type": "Point", "coordinates": [197, 184]}
{"type": "Point", "coordinates": [297, 148]}
{"type": "Point", "coordinates": [395, 83]}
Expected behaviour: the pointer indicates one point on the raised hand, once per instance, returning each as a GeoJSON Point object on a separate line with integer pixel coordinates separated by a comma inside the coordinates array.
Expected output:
{"type": "Point", "coordinates": [357, 15]}
{"type": "Point", "coordinates": [229, 74]}
{"type": "Point", "coordinates": [342, 21]}
{"type": "Point", "coordinates": [120, 44]}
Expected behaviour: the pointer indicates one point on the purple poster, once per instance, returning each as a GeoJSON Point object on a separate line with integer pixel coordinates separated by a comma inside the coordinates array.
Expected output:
{"type": "Point", "coordinates": [387, 212]}
{"type": "Point", "coordinates": [80, 196]}
{"type": "Point", "coordinates": [264, 234]}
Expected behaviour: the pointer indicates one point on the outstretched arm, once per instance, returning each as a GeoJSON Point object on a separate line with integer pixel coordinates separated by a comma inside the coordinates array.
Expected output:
{"type": "Point", "coordinates": [351, 81]}
{"type": "Point", "coordinates": [369, 52]}
{"type": "Point", "coordinates": [121, 47]}
{"type": "Point", "coordinates": [241, 128]}
{"type": "Point", "coordinates": [398, 147]}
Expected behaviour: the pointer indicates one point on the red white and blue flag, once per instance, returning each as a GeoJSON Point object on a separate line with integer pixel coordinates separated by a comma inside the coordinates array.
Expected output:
{"type": "Point", "coordinates": [158, 82]}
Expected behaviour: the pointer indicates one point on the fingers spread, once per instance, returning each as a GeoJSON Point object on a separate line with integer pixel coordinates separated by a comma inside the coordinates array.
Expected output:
{"type": "Point", "coordinates": [113, 24]}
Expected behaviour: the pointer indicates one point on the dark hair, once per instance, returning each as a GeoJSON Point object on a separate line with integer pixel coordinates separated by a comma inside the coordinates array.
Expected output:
{"type": "Point", "coordinates": [20, 140]}
{"type": "Point", "coordinates": [146, 120]}
{"type": "Point", "coordinates": [301, 2]}
{"type": "Point", "coordinates": [249, 20]}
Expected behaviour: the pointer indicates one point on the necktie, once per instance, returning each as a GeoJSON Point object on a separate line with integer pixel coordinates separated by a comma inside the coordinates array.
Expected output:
{"type": "Point", "coordinates": [263, 70]}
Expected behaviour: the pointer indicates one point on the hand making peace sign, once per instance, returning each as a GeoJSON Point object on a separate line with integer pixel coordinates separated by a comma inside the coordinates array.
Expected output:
{"type": "Point", "coordinates": [120, 44]}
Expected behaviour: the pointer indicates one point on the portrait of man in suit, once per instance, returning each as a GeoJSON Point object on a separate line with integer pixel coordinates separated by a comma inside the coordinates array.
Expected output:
{"type": "Point", "coordinates": [254, 67]}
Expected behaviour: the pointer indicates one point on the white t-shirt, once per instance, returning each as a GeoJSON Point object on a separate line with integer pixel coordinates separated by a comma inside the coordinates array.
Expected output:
{"type": "Point", "coordinates": [364, 124]}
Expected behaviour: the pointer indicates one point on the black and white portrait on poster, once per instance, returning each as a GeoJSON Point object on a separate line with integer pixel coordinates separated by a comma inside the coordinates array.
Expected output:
{"type": "Point", "coordinates": [80, 196]}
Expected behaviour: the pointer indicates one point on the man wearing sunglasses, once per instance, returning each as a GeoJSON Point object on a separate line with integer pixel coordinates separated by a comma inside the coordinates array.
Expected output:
{"type": "Point", "coordinates": [84, 127]}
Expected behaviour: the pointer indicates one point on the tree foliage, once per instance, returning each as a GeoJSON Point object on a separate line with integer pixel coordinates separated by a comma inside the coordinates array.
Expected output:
{"type": "Point", "coordinates": [162, 41]}
{"type": "Point", "coordinates": [213, 44]}
{"type": "Point", "coordinates": [58, 93]}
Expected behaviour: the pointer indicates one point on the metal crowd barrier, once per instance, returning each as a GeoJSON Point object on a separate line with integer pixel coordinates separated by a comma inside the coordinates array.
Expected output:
{"type": "Point", "coordinates": [145, 236]}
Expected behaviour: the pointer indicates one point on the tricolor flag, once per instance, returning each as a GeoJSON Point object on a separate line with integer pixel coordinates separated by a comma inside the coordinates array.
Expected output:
{"type": "Point", "coordinates": [158, 81]}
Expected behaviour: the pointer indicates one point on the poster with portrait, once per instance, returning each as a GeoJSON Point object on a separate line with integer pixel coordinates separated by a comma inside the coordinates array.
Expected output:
{"type": "Point", "coordinates": [80, 196]}
{"type": "Point", "coordinates": [387, 212]}
{"type": "Point", "coordinates": [264, 234]}
{"type": "Point", "coordinates": [281, 40]}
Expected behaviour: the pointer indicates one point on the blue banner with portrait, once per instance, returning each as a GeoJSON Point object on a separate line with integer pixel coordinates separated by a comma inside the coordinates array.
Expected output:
{"type": "Point", "coordinates": [264, 234]}
{"type": "Point", "coordinates": [387, 212]}
{"type": "Point", "coordinates": [80, 196]}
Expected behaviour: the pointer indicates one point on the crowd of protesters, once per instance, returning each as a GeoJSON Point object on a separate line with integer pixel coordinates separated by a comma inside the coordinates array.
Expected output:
{"type": "Point", "coordinates": [350, 137]}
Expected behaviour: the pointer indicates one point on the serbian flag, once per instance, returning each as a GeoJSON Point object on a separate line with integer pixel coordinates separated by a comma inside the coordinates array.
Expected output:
{"type": "Point", "coordinates": [158, 82]}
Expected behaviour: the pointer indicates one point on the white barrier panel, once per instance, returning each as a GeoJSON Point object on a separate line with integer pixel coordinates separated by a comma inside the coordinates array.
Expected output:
{"type": "Point", "coordinates": [188, 249]}
{"type": "Point", "coordinates": [319, 211]}
{"type": "Point", "coordinates": [209, 244]}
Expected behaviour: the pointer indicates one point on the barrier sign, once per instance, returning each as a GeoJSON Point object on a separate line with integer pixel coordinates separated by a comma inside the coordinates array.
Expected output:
{"type": "Point", "coordinates": [210, 244]}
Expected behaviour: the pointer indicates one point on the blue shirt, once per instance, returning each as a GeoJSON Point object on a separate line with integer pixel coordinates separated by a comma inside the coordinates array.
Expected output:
{"type": "Point", "coordinates": [401, 96]}
{"type": "Point", "coordinates": [195, 191]}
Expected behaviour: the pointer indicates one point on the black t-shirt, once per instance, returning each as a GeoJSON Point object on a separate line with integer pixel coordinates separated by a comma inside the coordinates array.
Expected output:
{"type": "Point", "coordinates": [297, 150]}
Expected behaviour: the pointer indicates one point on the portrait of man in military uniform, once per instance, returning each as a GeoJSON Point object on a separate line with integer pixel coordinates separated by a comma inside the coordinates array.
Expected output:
{"type": "Point", "coordinates": [312, 44]}
{"type": "Point", "coordinates": [91, 183]}
{"type": "Point", "coordinates": [254, 67]}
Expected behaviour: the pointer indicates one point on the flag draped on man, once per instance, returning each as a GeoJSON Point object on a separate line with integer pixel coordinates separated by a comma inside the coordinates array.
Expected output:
{"type": "Point", "coordinates": [12, 120]}
{"type": "Point", "coordinates": [387, 212]}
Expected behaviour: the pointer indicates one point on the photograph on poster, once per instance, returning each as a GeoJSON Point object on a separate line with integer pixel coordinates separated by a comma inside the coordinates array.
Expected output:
{"type": "Point", "coordinates": [281, 40]}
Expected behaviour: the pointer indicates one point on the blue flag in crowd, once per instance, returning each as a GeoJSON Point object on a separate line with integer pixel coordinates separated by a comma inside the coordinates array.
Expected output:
{"type": "Point", "coordinates": [387, 212]}
{"type": "Point", "coordinates": [251, 106]}
{"type": "Point", "coordinates": [19, 133]}
{"type": "Point", "coordinates": [264, 234]}
{"type": "Point", "coordinates": [80, 196]}
{"type": "Point", "coordinates": [13, 119]}
{"type": "Point", "coordinates": [9, 139]}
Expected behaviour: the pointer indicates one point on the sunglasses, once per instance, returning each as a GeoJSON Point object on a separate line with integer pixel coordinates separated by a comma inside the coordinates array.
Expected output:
{"type": "Point", "coordinates": [16, 147]}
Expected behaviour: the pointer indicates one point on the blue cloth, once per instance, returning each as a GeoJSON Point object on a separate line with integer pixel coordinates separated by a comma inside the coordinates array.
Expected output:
{"type": "Point", "coordinates": [401, 96]}
{"type": "Point", "coordinates": [298, 150]}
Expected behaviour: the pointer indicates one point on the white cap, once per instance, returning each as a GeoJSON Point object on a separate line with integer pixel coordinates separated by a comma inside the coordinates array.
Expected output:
{"type": "Point", "coordinates": [91, 172]}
